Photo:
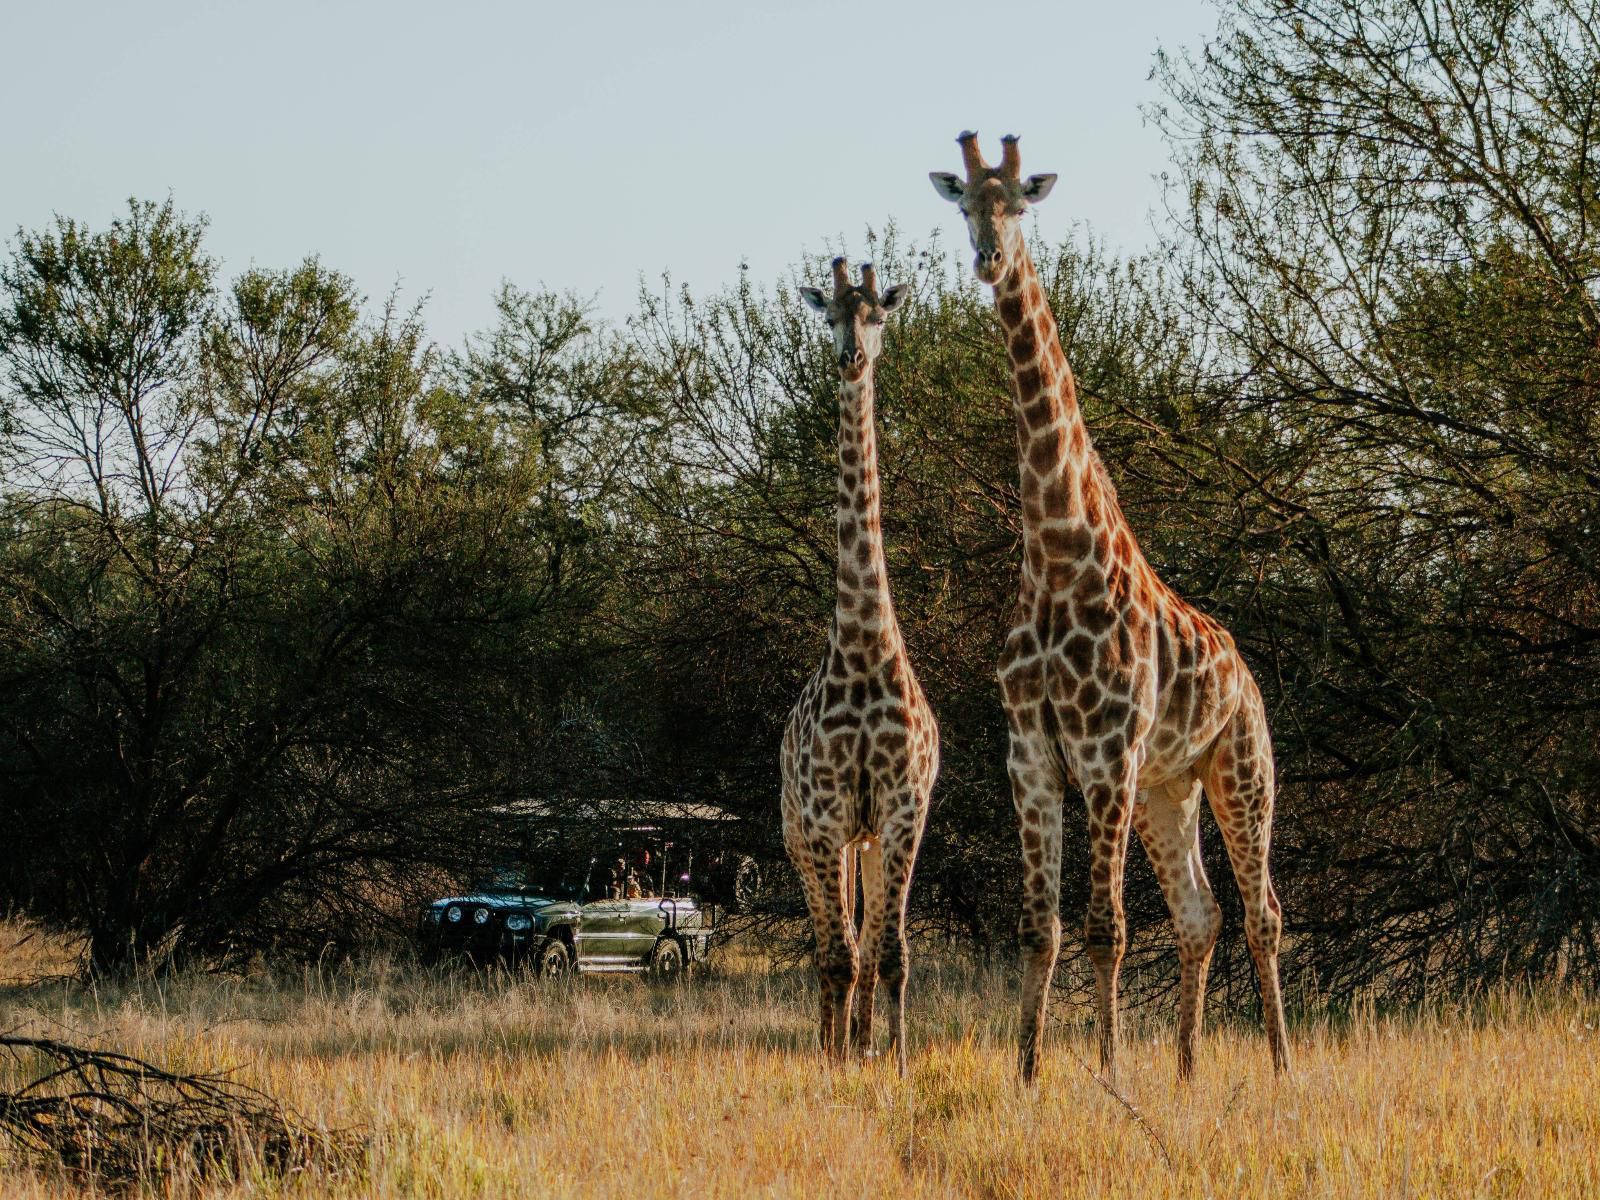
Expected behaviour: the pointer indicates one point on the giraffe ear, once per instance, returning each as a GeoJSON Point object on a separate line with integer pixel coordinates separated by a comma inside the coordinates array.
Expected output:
{"type": "Point", "coordinates": [947, 185]}
{"type": "Point", "coordinates": [894, 297]}
{"type": "Point", "coordinates": [1037, 187]}
{"type": "Point", "coordinates": [814, 299]}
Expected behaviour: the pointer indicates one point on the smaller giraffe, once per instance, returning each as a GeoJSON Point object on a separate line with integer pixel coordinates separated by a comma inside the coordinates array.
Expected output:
{"type": "Point", "coordinates": [861, 749]}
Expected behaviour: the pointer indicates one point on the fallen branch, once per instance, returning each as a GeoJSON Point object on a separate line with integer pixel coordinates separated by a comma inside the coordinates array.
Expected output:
{"type": "Point", "coordinates": [121, 1118]}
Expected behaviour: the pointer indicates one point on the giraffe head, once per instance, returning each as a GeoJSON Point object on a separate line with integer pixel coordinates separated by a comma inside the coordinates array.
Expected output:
{"type": "Point", "coordinates": [856, 316]}
{"type": "Point", "coordinates": [993, 199]}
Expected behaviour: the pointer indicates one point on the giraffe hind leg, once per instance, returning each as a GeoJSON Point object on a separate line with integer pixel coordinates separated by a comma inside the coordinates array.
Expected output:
{"type": "Point", "coordinates": [1239, 784]}
{"type": "Point", "coordinates": [1168, 824]}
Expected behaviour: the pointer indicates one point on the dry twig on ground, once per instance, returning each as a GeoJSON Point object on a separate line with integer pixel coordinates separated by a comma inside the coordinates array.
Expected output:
{"type": "Point", "coordinates": [120, 1118]}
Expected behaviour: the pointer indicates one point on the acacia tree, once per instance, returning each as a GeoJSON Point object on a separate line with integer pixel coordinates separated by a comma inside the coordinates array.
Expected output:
{"type": "Point", "coordinates": [568, 387]}
{"type": "Point", "coordinates": [1392, 209]}
{"type": "Point", "coordinates": [266, 584]}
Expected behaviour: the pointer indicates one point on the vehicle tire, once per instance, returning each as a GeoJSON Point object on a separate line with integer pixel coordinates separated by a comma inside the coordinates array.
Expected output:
{"type": "Point", "coordinates": [553, 961]}
{"type": "Point", "coordinates": [666, 961]}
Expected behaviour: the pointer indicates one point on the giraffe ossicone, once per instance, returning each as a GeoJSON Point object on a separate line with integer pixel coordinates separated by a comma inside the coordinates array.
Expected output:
{"type": "Point", "coordinates": [1110, 681]}
{"type": "Point", "coordinates": [861, 748]}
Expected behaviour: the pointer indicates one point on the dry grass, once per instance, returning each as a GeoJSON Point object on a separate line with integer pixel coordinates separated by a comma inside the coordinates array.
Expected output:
{"type": "Point", "coordinates": [489, 1087]}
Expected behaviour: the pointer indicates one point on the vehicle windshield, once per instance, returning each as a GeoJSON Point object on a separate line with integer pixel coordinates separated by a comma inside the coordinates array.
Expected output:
{"type": "Point", "coordinates": [557, 884]}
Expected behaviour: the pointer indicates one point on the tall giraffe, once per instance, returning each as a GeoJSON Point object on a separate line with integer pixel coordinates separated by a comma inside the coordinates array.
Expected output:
{"type": "Point", "coordinates": [1109, 679]}
{"type": "Point", "coordinates": [861, 749]}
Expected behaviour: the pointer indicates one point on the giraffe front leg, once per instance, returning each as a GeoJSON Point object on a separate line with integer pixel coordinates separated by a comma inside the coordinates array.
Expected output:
{"type": "Point", "coordinates": [900, 842]}
{"type": "Point", "coordinates": [837, 958]}
{"type": "Point", "coordinates": [820, 872]}
{"type": "Point", "coordinates": [869, 855]}
{"type": "Point", "coordinates": [1036, 790]}
{"type": "Point", "coordinates": [1105, 932]}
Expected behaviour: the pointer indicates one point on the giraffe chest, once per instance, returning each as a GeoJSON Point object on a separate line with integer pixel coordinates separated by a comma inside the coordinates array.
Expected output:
{"type": "Point", "coordinates": [848, 701]}
{"type": "Point", "coordinates": [1084, 630]}
{"type": "Point", "coordinates": [1150, 687]}
{"type": "Point", "coordinates": [860, 732]}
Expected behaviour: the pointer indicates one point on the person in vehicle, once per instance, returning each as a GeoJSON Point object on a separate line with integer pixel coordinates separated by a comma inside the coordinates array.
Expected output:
{"type": "Point", "coordinates": [641, 869]}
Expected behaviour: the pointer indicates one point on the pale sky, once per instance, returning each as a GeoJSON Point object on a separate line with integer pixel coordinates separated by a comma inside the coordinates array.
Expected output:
{"type": "Point", "coordinates": [578, 146]}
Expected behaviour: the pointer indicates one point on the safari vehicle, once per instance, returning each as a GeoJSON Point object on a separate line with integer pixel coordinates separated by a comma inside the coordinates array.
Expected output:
{"type": "Point", "coordinates": [651, 911]}
{"type": "Point", "coordinates": [553, 928]}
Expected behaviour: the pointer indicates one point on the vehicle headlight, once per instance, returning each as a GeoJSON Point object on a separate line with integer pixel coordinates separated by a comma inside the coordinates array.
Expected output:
{"type": "Point", "coordinates": [517, 922]}
{"type": "Point", "coordinates": [480, 916]}
{"type": "Point", "coordinates": [453, 913]}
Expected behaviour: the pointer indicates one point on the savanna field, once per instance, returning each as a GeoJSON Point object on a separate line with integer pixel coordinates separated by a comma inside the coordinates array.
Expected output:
{"type": "Point", "coordinates": [325, 594]}
{"type": "Point", "coordinates": [488, 1085]}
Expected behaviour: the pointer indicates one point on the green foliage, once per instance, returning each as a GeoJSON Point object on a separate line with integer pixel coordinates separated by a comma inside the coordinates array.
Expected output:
{"type": "Point", "coordinates": [1390, 212]}
{"type": "Point", "coordinates": [268, 584]}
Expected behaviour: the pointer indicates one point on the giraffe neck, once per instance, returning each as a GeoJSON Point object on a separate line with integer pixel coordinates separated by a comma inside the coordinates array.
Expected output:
{"type": "Point", "coordinates": [1062, 481]}
{"type": "Point", "coordinates": [863, 612]}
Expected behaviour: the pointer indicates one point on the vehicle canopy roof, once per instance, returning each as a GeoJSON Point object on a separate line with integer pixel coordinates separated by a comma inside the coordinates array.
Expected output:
{"type": "Point", "coordinates": [617, 814]}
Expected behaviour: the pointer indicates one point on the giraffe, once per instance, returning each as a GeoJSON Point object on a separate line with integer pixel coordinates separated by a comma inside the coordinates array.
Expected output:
{"type": "Point", "coordinates": [861, 749]}
{"type": "Point", "coordinates": [1109, 680]}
